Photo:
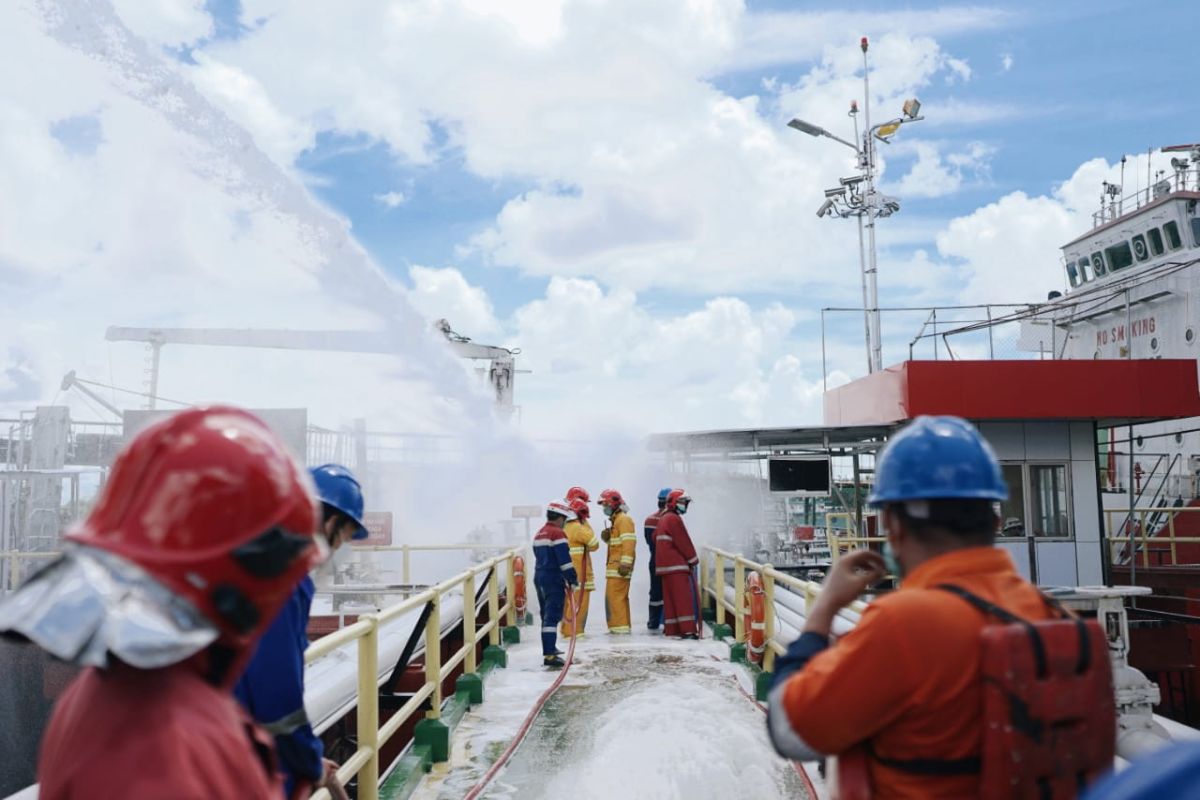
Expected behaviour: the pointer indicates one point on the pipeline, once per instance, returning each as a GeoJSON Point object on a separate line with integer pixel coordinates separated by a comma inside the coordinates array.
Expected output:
{"type": "Point", "coordinates": [494, 770]}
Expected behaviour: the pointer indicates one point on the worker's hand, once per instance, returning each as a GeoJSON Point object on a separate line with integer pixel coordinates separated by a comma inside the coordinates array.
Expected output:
{"type": "Point", "coordinates": [625, 570]}
{"type": "Point", "coordinates": [850, 576]}
{"type": "Point", "coordinates": [574, 587]}
{"type": "Point", "coordinates": [605, 535]}
{"type": "Point", "coordinates": [330, 781]}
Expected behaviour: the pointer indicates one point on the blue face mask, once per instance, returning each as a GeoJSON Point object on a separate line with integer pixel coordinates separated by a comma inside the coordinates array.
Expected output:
{"type": "Point", "coordinates": [891, 562]}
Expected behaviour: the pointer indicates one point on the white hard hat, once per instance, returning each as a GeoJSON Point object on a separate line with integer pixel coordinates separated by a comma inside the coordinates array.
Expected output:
{"type": "Point", "coordinates": [561, 508]}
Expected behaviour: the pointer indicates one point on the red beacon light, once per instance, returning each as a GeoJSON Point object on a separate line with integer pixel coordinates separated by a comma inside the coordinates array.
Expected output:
{"type": "Point", "coordinates": [863, 44]}
{"type": "Point", "coordinates": [853, 106]}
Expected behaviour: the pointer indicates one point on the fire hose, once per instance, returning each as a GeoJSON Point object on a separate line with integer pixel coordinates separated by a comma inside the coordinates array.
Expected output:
{"type": "Point", "coordinates": [494, 770]}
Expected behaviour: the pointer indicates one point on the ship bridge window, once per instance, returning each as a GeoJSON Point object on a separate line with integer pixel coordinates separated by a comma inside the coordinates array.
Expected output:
{"type": "Point", "coordinates": [1049, 500]}
{"type": "Point", "coordinates": [1085, 269]}
{"type": "Point", "coordinates": [1196, 230]}
{"type": "Point", "coordinates": [1139, 247]}
{"type": "Point", "coordinates": [1171, 231]}
{"type": "Point", "coordinates": [1098, 264]}
{"type": "Point", "coordinates": [1119, 256]}
{"type": "Point", "coordinates": [1072, 274]}
{"type": "Point", "coordinates": [1156, 241]}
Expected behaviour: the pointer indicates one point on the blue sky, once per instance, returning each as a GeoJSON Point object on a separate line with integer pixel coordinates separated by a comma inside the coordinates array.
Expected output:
{"type": "Point", "coordinates": [610, 186]}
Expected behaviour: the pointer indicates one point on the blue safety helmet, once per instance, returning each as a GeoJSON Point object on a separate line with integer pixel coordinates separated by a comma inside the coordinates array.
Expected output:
{"type": "Point", "coordinates": [937, 458]}
{"type": "Point", "coordinates": [662, 494]}
{"type": "Point", "coordinates": [337, 487]}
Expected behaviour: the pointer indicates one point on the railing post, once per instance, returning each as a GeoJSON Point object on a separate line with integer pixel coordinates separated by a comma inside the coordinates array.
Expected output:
{"type": "Point", "coordinates": [407, 573]}
{"type": "Point", "coordinates": [508, 592]}
{"type": "Point", "coordinates": [768, 617]}
{"type": "Point", "coordinates": [469, 621]}
{"type": "Point", "coordinates": [368, 708]}
{"type": "Point", "coordinates": [739, 588]}
{"type": "Point", "coordinates": [1145, 543]}
{"type": "Point", "coordinates": [494, 607]}
{"type": "Point", "coordinates": [719, 581]}
{"type": "Point", "coordinates": [1171, 525]}
{"type": "Point", "coordinates": [433, 657]}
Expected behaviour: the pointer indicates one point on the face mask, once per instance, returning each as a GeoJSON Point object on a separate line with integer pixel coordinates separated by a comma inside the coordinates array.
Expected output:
{"type": "Point", "coordinates": [891, 562]}
{"type": "Point", "coordinates": [608, 511]}
{"type": "Point", "coordinates": [681, 510]}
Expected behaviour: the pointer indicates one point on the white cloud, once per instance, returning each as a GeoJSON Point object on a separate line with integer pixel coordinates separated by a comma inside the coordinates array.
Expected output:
{"type": "Point", "coordinates": [392, 199]}
{"type": "Point", "coordinates": [936, 174]}
{"type": "Point", "coordinates": [169, 23]}
{"type": "Point", "coordinates": [1006, 61]}
{"type": "Point", "coordinates": [445, 294]}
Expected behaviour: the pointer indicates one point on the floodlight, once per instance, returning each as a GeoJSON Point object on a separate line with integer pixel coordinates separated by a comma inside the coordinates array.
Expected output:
{"type": "Point", "coordinates": [912, 107]}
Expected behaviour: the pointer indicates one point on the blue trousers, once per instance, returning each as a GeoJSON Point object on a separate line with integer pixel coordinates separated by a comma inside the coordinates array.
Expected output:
{"type": "Point", "coordinates": [551, 594]}
{"type": "Point", "coordinates": [656, 600]}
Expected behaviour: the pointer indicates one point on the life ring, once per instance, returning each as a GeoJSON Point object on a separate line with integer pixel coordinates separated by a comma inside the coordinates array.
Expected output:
{"type": "Point", "coordinates": [754, 618]}
{"type": "Point", "coordinates": [519, 600]}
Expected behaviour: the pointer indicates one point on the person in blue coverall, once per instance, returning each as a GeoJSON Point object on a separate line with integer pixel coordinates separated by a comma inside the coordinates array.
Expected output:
{"type": "Point", "coordinates": [272, 687]}
{"type": "Point", "coordinates": [553, 574]}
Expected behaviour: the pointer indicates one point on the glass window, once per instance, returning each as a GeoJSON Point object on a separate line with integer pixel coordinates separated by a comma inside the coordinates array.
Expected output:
{"type": "Point", "coordinates": [1171, 231]}
{"type": "Point", "coordinates": [1012, 510]}
{"type": "Point", "coordinates": [1048, 484]}
{"type": "Point", "coordinates": [1098, 264]}
{"type": "Point", "coordinates": [1119, 256]}
{"type": "Point", "coordinates": [1196, 230]}
{"type": "Point", "coordinates": [1072, 274]}
{"type": "Point", "coordinates": [1140, 250]}
{"type": "Point", "coordinates": [1156, 242]}
{"type": "Point", "coordinates": [1085, 270]}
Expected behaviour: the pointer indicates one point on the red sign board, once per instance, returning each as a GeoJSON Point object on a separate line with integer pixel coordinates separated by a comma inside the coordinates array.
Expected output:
{"type": "Point", "coordinates": [379, 529]}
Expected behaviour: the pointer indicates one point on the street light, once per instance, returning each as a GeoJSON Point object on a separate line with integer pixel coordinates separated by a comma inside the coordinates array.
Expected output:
{"type": "Point", "coordinates": [850, 199]}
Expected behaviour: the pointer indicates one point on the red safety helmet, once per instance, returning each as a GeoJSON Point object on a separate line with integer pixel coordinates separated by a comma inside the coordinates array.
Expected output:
{"type": "Point", "coordinates": [578, 492]}
{"type": "Point", "coordinates": [677, 498]}
{"type": "Point", "coordinates": [611, 497]}
{"type": "Point", "coordinates": [211, 504]}
{"type": "Point", "coordinates": [580, 507]}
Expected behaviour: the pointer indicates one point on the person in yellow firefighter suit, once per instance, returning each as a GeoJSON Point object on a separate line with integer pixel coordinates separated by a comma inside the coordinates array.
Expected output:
{"type": "Point", "coordinates": [582, 540]}
{"type": "Point", "coordinates": [621, 537]}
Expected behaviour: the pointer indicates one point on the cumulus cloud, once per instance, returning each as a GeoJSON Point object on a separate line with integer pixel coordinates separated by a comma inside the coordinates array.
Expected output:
{"type": "Point", "coordinates": [936, 174]}
{"type": "Point", "coordinates": [392, 199]}
{"type": "Point", "coordinates": [446, 294]}
{"type": "Point", "coordinates": [168, 23]}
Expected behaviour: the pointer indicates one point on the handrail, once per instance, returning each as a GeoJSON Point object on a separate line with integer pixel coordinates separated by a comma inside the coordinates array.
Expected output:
{"type": "Point", "coordinates": [371, 737]}
{"type": "Point", "coordinates": [714, 585]}
{"type": "Point", "coordinates": [406, 551]}
{"type": "Point", "coordinates": [1161, 540]}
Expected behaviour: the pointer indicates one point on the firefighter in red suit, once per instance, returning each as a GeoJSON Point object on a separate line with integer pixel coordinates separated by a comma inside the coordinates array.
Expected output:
{"type": "Point", "coordinates": [198, 538]}
{"type": "Point", "coordinates": [675, 560]}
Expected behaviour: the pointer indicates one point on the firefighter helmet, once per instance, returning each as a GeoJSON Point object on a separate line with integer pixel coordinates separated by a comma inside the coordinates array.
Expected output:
{"type": "Point", "coordinates": [339, 489]}
{"type": "Point", "coordinates": [937, 458]}
{"type": "Point", "coordinates": [561, 508]}
{"type": "Point", "coordinates": [211, 504]}
{"type": "Point", "coordinates": [678, 501]}
{"type": "Point", "coordinates": [611, 497]}
{"type": "Point", "coordinates": [578, 492]}
{"type": "Point", "coordinates": [580, 507]}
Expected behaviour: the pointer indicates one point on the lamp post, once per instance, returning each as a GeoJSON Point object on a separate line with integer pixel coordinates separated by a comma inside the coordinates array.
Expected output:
{"type": "Point", "coordinates": [851, 199]}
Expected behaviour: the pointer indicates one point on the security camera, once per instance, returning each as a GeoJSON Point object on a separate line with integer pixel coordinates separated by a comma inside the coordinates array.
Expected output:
{"type": "Point", "coordinates": [838, 192]}
{"type": "Point", "coordinates": [853, 180]}
{"type": "Point", "coordinates": [825, 208]}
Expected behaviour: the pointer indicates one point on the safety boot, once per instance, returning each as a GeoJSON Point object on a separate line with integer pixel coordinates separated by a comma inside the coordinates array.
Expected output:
{"type": "Point", "coordinates": [553, 662]}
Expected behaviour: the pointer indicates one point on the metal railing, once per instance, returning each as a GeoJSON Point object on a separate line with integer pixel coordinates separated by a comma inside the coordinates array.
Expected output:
{"type": "Point", "coordinates": [1147, 536]}
{"type": "Point", "coordinates": [364, 763]}
{"type": "Point", "coordinates": [12, 560]}
{"type": "Point", "coordinates": [406, 551]}
{"type": "Point", "coordinates": [712, 583]}
{"type": "Point", "coordinates": [851, 535]}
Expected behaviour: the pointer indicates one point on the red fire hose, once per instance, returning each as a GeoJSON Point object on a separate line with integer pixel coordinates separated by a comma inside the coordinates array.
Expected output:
{"type": "Point", "coordinates": [494, 770]}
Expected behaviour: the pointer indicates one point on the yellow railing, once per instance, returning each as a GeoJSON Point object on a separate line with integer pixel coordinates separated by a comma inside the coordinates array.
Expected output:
{"type": "Point", "coordinates": [371, 737]}
{"type": "Point", "coordinates": [1166, 542]}
{"type": "Point", "coordinates": [842, 539]}
{"type": "Point", "coordinates": [712, 582]}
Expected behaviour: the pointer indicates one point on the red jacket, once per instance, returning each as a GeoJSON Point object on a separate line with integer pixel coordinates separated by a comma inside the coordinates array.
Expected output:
{"type": "Point", "coordinates": [130, 733]}
{"type": "Point", "coordinates": [673, 548]}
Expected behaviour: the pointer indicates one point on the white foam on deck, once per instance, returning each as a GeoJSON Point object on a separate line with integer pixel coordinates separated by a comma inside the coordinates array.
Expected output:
{"type": "Point", "coordinates": [677, 726]}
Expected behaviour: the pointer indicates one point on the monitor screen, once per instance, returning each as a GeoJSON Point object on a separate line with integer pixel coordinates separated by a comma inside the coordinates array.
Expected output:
{"type": "Point", "coordinates": [806, 475]}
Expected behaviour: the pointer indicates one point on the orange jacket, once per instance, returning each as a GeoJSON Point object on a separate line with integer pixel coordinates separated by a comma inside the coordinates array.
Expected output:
{"type": "Point", "coordinates": [906, 679]}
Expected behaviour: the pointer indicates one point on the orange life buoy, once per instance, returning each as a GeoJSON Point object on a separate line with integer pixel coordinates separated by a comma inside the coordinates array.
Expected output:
{"type": "Point", "coordinates": [754, 619]}
{"type": "Point", "coordinates": [519, 601]}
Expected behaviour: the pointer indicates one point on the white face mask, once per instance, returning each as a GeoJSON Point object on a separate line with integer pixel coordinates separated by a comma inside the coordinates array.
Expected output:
{"type": "Point", "coordinates": [609, 511]}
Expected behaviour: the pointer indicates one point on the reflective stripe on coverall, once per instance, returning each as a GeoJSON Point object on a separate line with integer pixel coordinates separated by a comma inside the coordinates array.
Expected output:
{"type": "Point", "coordinates": [622, 549]}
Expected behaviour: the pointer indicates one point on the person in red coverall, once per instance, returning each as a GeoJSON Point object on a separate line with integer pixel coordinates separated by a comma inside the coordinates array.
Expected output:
{"type": "Point", "coordinates": [198, 538]}
{"type": "Point", "coordinates": [674, 561]}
